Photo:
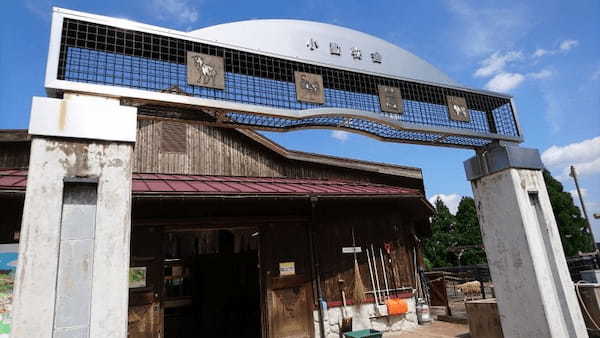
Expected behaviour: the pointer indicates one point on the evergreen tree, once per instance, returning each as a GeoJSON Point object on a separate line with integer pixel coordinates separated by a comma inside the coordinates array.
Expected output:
{"type": "Point", "coordinates": [571, 225]}
{"type": "Point", "coordinates": [468, 232]}
{"type": "Point", "coordinates": [436, 247]}
{"type": "Point", "coordinates": [450, 231]}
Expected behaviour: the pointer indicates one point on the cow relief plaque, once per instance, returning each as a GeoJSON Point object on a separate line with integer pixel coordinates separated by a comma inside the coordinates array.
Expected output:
{"type": "Point", "coordinates": [390, 99]}
{"type": "Point", "coordinates": [205, 70]}
{"type": "Point", "coordinates": [457, 109]}
{"type": "Point", "coordinates": [309, 87]}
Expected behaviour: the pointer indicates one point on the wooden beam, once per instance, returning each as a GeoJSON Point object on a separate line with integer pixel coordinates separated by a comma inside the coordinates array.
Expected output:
{"type": "Point", "coordinates": [219, 222]}
{"type": "Point", "coordinates": [14, 135]}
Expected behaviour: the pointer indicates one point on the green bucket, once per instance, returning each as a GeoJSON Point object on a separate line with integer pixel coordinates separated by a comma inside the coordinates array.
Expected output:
{"type": "Point", "coordinates": [370, 333]}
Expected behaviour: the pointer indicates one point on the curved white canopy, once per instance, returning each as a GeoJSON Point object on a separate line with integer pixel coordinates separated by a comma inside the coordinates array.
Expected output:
{"type": "Point", "coordinates": [292, 39]}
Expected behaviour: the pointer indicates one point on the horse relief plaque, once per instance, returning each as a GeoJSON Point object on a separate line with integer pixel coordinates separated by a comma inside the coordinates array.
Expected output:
{"type": "Point", "coordinates": [457, 109]}
{"type": "Point", "coordinates": [205, 70]}
{"type": "Point", "coordinates": [309, 87]}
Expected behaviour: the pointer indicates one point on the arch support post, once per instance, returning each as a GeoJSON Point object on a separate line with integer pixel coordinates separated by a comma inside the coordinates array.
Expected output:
{"type": "Point", "coordinates": [72, 273]}
{"type": "Point", "coordinates": [535, 294]}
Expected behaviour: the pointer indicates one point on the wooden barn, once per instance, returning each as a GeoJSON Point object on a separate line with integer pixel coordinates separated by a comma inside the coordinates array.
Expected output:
{"type": "Point", "coordinates": [234, 236]}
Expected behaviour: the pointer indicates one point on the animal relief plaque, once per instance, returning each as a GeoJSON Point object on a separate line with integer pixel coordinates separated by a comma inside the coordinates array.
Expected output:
{"type": "Point", "coordinates": [390, 99]}
{"type": "Point", "coordinates": [457, 109]}
{"type": "Point", "coordinates": [309, 87]}
{"type": "Point", "coordinates": [205, 70]}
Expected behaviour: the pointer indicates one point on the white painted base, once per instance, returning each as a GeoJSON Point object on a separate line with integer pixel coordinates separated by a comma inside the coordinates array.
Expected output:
{"type": "Point", "coordinates": [533, 287]}
{"type": "Point", "coordinates": [362, 319]}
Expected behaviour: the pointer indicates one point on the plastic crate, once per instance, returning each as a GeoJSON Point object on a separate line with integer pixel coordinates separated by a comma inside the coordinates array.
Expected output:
{"type": "Point", "coordinates": [370, 333]}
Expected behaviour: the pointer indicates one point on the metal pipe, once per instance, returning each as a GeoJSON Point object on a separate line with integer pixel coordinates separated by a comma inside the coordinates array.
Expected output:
{"type": "Point", "coordinates": [371, 275]}
{"type": "Point", "coordinates": [315, 264]}
{"type": "Point", "coordinates": [387, 288]}
{"type": "Point", "coordinates": [587, 220]}
{"type": "Point", "coordinates": [376, 273]}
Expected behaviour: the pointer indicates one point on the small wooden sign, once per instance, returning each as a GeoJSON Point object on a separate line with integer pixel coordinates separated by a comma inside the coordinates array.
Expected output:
{"type": "Point", "coordinates": [390, 99]}
{"type": "Point", "coordinates": [205, 70]}
{"type": "Point", "coordinates": [309, 87]}
{"type": "Point", "coordinates": [457, 109]}
{"type": "Point", "coordinates": [351, 249]}
{"type": "Point", "coordinates": [287, 269]}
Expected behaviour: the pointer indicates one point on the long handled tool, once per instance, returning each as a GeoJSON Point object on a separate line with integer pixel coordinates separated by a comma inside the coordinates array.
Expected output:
{"type": "Point", "coordinates": [387, 287]}
{"type": "Point", "coordinates": [346, 325]}
{"type": "Point", "coordinates": [371, 275]}
{"type": "Point", "coordinates": [359, 288]}
{"type": "Point", "coordinates": [376, 274]}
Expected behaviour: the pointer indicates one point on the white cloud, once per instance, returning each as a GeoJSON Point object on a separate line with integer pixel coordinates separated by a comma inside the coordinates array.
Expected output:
{"type": "Point", "coordinates": [574, 193]}
{"type": "Point", "coordinates": [41, 8]}
{"type": "Point", "coordinates": [568, 44]}
{"type": "Point", "coordinates": [544, 73]}
{"type": "Point", "coordinates": [451, 201]}
{"type": "Point", "coordinates": [584, 156]}
{"type": "Point", "coordinates": [504, 82]}
{"type": "Point", "coordinates": [540, 52]}
{"type": "Point", "coordinates": [340, 135]}
{"type": "Point", "coordinates": [496, 62]}
{"type": "Point", "coordinates": [480, 30]}
{"type": "Point", "coordinates": [596, 74]}
{"type": "Point", "coordinates": [581, 152]}
{"type": "Point", "coordinates": [563, 47]}
{"type": "Point", "coordinates": [585, 168]}
{"type": "Point", "coordinates": [181, 11]}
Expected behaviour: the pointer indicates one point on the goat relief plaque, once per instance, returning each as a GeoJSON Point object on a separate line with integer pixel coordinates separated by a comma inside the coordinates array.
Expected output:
{"type": "Point", "coordinates": [205, 70]}
{"type": "Point", "coordinates": [309, 87]}
{"type": "Point", "coordinates": [457, 108]}
{"type": "Point", "coordinates": [390, 99]}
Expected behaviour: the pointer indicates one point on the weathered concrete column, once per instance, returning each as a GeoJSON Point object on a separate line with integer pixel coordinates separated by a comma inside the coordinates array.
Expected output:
{"type": "Point", "coordinates": [535, 294]}
{"type": "Point", "coordinates": [72, 276]}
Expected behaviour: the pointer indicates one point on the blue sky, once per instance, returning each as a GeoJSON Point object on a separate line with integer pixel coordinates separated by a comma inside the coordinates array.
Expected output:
{"type": "Point", "coordinates": [545, 53]}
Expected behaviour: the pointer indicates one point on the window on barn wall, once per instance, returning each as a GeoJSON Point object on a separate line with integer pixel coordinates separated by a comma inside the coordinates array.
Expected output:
{"type": "Point", "coordinates": [173, 137]}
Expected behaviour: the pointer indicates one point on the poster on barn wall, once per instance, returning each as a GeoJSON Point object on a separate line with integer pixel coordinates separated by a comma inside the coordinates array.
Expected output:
{"type": "Point", "coordinates": [8, 266]}
{"type": "Point", "coordinates": [137, 277]}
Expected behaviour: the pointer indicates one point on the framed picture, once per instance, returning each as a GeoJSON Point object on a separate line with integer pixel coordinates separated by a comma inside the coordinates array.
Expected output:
{"type": "Point", "coordinates": [137, 277]}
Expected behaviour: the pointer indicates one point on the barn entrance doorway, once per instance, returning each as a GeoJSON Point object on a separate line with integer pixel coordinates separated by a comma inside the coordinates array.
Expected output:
{"type": "Point", "coordinates": [211, 283]}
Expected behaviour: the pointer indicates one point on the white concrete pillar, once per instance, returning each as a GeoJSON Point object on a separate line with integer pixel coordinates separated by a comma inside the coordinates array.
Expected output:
{"type": "Point", "coordinates": [535, 294]}
{"type": "Point", "coordinates": [72, 275]}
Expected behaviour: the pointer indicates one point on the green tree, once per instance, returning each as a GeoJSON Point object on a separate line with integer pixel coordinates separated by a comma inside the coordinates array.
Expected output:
{"type": "Point", "coordinates": [571, 225]}
{"type": "Point", "coordinates": [436, 247]}
{"type": "Point", "coordinates": [449, 231]}
{"type": "Point", "coordinates": [468, 232]}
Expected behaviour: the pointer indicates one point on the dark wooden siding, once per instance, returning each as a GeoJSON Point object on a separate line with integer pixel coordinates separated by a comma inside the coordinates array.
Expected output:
{"type": "Point", "coordinates": [373, 225]}
{"type": "Point", "coordinates": [14, 154]}
{"type": "Point", "coordinates": [207, 150]}
{"type": "Point", "coordinates": [222, 151]}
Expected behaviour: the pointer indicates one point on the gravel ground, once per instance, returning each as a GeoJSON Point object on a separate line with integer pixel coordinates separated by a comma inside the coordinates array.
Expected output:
{"type": "Point", "coordinates": [437, 329]}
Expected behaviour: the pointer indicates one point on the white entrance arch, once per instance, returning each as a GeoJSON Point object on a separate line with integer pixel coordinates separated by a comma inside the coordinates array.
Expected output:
{"type": "Point", "coordinates": [103, 71]}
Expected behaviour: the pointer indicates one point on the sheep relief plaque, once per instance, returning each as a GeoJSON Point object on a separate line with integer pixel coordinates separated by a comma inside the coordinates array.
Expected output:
{"type": "Point", "coordinates": [309, 87]}
{"type": "Point", "coordinates": [205, 70]}
{"type": "Point", "coordinates": [457, 108]}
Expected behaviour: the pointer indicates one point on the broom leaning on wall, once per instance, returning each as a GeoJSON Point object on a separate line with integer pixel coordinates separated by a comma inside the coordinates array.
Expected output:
{"type": "Point", "coordinates": [359, 288]}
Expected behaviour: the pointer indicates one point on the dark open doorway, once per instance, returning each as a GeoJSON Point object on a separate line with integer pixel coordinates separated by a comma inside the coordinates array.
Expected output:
{"type": "Point", "coordinates": [211, 284]}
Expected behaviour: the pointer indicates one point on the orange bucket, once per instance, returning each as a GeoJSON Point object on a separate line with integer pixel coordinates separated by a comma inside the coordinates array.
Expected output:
{"type": "Point", "coordinates": [396, 306]}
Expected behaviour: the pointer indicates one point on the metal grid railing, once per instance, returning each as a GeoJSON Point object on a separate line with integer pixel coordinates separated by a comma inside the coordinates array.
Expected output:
{"type": "Point", "coordinates": [99, 54]}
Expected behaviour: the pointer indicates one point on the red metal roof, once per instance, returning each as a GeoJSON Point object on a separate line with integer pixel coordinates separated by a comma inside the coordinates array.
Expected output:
{"type": "Point", "coordinates": [15, 179]}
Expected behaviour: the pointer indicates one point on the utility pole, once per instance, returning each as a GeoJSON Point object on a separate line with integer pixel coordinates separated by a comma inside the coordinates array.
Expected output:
{"type": "Point", "coordinates": [587, 220]}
